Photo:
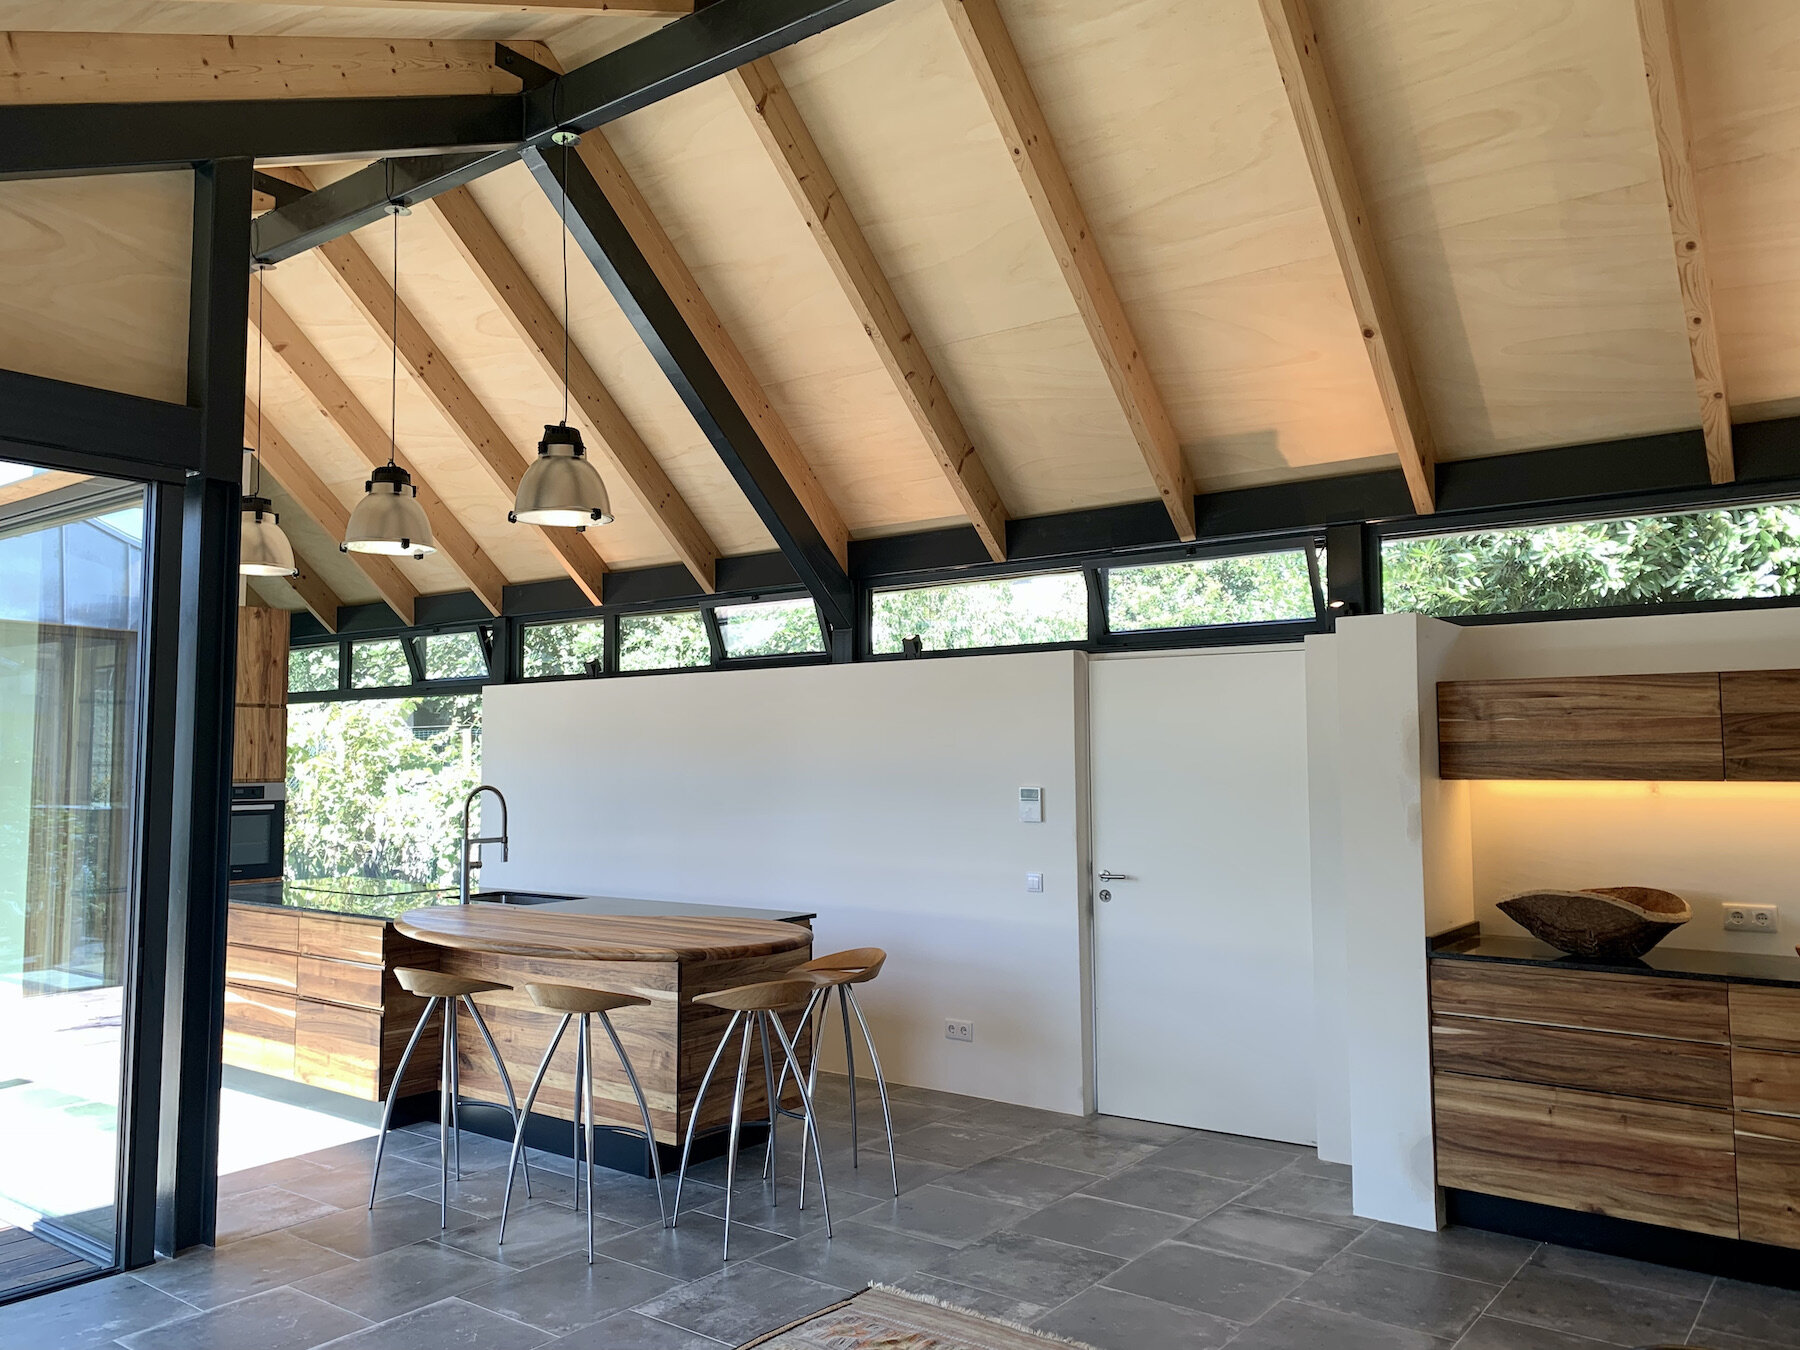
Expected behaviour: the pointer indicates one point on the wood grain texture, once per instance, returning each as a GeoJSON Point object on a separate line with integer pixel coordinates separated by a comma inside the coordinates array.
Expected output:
{"type": "Point", "coordinates": [618, 440]}
{"type": "Point", "coordinates": [1768, 1172]}
{"type": "Point", "coordinates": [1655, 1162]}
{"type": "Point", "coordinates": [338, 1048]}
{"type": "Point", "coordinates": [348, 982]}
{"type": "Point", "coordinates": [523, 931]}
{"type": "Point", "coordinates": [1765, 1017]}
{"type": "Point", "coordinates": [259, 745]}
{"type": "Point", "coordinates": [314, 591]}
{"type": "Point", "coordinates": [1668, 111]}
{"type": "Point", "coordinates": [342, 937]}
{"type": "Point", "coordinates": [259, 968]}
{"type": "Point", "coordinates": [1637, 1005]}
{"type": "Point", "coordinates": [262, 656]}
{"type": "Point", "coordinates": [803, 169]}
{"type": "Point", "coordinates": [152, 67]}
{"type": "Point", "coordinates": [1602, 727]}
{"type": "Point", "coordinates": [259, 1029]}
{"type": "Point", "coordinates": [1301, 58]}
{"type": "Point", "coordinates": [1627, 1066]}
{"type": "Point", "coordinates": [1014, 104]}
{"type": "Point", "coordinates": [331, 397]}
{"type": "Point", "coordinates": [283, 461]}
{"type": "Point", "coordinates": [38, 484]}
{"type": "Point", "coordinates": [1765, 1080]}
{"type": "Point", "coordinates": [269, 926]}
{"type": "Point", "coordinates": [1761, 711]}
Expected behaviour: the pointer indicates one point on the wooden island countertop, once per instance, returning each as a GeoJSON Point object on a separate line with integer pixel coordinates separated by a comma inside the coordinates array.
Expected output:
{"type": "Point", "coordinates": [531, 931]}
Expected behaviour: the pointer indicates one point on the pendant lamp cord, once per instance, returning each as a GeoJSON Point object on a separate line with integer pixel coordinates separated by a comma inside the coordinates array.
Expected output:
{"type": "Point", "coordinates": [562, 212]}
{"type": "Point", "coordinates": [394, 359]}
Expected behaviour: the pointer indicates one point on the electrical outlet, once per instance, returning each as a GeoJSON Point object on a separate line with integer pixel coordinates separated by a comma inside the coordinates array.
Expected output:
{"type": "Point", "coordinates": [1034, 882]}
{"type": "Point", "coordinates": [959, 1031]}
{"type": "Point", "coordinates": [1751, 918]}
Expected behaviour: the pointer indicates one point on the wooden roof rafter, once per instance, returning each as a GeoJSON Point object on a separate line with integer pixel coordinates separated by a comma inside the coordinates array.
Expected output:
{"type": "Point", "coordinates": [626, 9]}
{"type": "Point", "coordinates": [803, 169]}
{"type": "Point", "coordinates": [314, 591]}
{"type": "Point", "coordinates": [37, 484]}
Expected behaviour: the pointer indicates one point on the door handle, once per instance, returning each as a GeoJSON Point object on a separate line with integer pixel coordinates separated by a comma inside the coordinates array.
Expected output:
{"type": "Point", "coordinates": [1114, 876]}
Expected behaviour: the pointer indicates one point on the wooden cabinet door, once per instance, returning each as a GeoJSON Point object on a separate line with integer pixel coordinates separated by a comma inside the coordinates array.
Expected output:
{"type": "Point", "coordinates": [1765, 1017]}
{"type": "Point", "coordinates": [262, 656]}
{"type": "Point", "coordinates": [1603, 726]}
{"type": "Point", "coordinates": [1768, 1171]}
{"type": "Point", "coordinates": [259, 750]}
{"type": "Point", "coordinates": [1633, 1005]}
{"type": "Point", "coordinates": [1761, 710]}
{"type": "Point", "coordinates": [259, 1030]}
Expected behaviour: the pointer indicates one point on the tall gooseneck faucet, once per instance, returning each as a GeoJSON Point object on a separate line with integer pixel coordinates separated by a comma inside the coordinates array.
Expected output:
{"type": "Point", "coordinates": [471, 847]}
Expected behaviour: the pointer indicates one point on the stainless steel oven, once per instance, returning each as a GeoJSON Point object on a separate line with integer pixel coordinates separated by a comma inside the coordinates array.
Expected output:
{"type": "Point", "coordinates": [258, 830]}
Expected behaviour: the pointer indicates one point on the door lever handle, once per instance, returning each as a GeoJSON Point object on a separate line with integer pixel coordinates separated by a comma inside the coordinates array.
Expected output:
{"type": "Point", "coordinates": [1114, 876]}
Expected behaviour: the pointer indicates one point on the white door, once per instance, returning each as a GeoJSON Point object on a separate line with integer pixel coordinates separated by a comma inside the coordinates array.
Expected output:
{"type": "Point", "coordinates": [1203, 937]}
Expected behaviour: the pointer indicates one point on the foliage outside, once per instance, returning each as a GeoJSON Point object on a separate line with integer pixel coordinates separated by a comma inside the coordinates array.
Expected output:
{"type": "Point", "coordinates": [1735, 554]}
{"type": "Point", "coordinates": [453, 656]}
{"type": "Point", "coordinates": [379, 665]}
{"type": "Point", "coordinates": [1256, 588]}
{"type": "Point", "coordinates": [1017, 611]}
{"type": "Point", "coordinates": [313, 670]}
{"type": "Point", "coordinates": [663, 641]}
{"type": "Point", "coordinates": [564, 648]}
{"type": "Point", "coordinates": [779, 628]}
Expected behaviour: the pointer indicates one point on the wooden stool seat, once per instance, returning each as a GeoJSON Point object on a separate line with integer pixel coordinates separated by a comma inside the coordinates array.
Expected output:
{"type": "Point", "coordinates": [771, 996]}
{"type": "Point", "coordinates": [859, 965]}
{"type": "Point", "coordinates": [435, 984]}
{"type": "Point", "coordinates": [569, 998]}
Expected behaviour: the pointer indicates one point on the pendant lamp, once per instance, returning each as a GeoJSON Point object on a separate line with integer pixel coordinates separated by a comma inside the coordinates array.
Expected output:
{"type": "Point", "coordinates": [263, 547]}
{"type": "Point", "coordinates": [389, 518]}
{"type": "Point", "coordinates": [562, 487]}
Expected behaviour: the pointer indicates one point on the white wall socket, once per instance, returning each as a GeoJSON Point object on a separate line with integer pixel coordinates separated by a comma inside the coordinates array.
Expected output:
{"type": "Point", "coordinates": [1751, 918]}
{"type": "Point", "coordinates": [1034, 882]}
{"type": "Point", "coordinates": [959, 1031]}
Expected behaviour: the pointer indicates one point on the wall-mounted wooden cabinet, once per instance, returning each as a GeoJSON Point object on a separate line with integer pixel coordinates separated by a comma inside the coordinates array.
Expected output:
{"type": "Point", "coordinates": [259, 749]}
{"type": "Point", "coordinates": [1701, 727]}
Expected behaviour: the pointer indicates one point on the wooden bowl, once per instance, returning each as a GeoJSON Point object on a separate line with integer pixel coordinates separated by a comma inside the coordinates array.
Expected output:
{"type": "Point", "coordinates": [1609, 923]}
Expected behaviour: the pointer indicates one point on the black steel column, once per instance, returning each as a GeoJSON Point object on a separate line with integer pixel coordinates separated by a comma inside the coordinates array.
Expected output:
{"type": "Point", "coordinates": [206, 683]}
{"type": "Point", "coordinates": [1352, 570]}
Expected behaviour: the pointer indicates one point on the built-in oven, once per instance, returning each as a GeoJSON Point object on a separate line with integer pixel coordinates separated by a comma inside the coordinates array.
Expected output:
{"type": "Point", "coordinates": [258, 830]}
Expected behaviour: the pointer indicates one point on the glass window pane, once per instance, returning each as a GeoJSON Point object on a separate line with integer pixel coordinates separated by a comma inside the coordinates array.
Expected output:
{"type": "Point", "coordinates": [1013, 612]}
{"type": "Point", "coordinates": [312, 669]}
{"type": "Point", "coordinates": [783, 628]}
{"type": "Point", "coordinates": [565, 648]}
{"type": "Point", "coordinates": [454, 656]}
{"type": "Point", "coordinates": [1256, 588]}
{"type": "Point", "coordinates": [663, 641]}
{"type": "Point", "coordinates": [378, 665]}
{"type": "Point", "coordinates": [1737, 554]}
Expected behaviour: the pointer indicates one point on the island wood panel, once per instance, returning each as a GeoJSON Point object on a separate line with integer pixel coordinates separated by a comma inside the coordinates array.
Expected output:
{"type": "Point", "coordinates": [259, 1030]}
{"type": "Point", "coordinates": [1629, 1066]}
{"type": "Point", "coordinates": [1638, 1005]}
{"type": "Point", "coordinates": [262, 969]}
{"type": "Point", "coordinates": [1765, 1080]}
{"type": "Point", "coordinates": [1768, 1172]}
{"type": "Point", "coordinates": [1765, 1017]}
{"type": "Point", "coordinates": [702, 1025]}
{"type": "Point", "coordinates": [1655, 1162]}
{"type": "Point", "coordinates": [1761, 710]}
{"type": "Point", "coordinates": [343, 937]}
{"type": "Point", "coordinates": [349, 982]}
{"type": "Point", "coordinates": [1604, 727]}
{"type": "Point", "coordinates": [253, 925]}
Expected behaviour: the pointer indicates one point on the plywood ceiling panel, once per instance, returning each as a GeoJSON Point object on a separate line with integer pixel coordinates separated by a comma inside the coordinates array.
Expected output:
{"type": "Point", "coordinates": [94, 280]}
{"type": "Point", "coordinates": [1507, 155]}
{"type": "Point", "coordinates": [316, 552]}
{"type": "Point", "coordinates": [173, 16]}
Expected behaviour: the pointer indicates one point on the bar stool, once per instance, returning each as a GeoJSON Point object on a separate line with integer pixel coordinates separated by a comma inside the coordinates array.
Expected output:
{"type": "Point", "coordinates": [756, 1006]}
{"type": "Point", "coordinates": [842, 971]}
{"type": "Point", "coordinates": [573, 1002]}
{"type": "Point", "coordinates": [435, 987]}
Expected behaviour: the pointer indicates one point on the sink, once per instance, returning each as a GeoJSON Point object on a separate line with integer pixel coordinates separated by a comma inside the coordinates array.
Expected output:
{"type": "Point", "coordinates": [518, 898]}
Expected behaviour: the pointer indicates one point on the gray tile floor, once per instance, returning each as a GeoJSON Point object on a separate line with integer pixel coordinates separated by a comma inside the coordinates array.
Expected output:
{"type": "Point", "coordinates": [1124, 1235]}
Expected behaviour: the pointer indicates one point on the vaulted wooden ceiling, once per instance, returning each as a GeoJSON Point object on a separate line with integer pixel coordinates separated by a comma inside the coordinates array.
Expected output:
{"type": "Point", "coordinates": [1449, 233]}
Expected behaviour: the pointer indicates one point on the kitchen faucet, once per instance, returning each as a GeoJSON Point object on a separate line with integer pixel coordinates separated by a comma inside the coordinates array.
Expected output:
{"type": "Point", "coordinates": [473, 846]}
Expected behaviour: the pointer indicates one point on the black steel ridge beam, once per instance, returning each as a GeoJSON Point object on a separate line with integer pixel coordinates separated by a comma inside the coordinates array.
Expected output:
{"type": "Point", "coordinates": [51, 140]}
{"type": "Point", "coordinates": [361, 199]}
{"type": "Point", "coordinates": [602, 236]}
{"type": "Point", "coordinates": [74, 425]}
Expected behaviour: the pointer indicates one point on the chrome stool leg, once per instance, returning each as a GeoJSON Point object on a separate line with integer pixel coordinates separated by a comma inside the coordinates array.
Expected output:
{"type": "Point", "coordinates": [850, 1069]}
{"type": "Point", "coordinates": [575, 1122]}
{"type": "Point", "coordinates": [737, 1121]}
{"type": "Point", "coordinates": [447, 1120]}
{"type": "Point", "coordinates": [584, 1092]}
{"type": "Point", "coordinates": [887, 1119]}
{"type": "Point", "coordinates": [537, 1082]}
{"type": "Point", "coordinates": [694, 1115]}
{"type": "Point", "coordinates": [643, 1111]}
{"type": "Point", "coordinates": [812, 1120]}
{"type": "Point", "coordinates": [781, 1088]}
{"type": "Point", "coordinates": [512, 1102]}
{"type": "Point", "coordinates": [774, 1115]}
{"type": "Point", "coordinates": [387, 1112]}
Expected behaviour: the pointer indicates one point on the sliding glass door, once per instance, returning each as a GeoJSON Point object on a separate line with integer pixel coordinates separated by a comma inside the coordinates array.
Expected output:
{"type": "Point", "coordinates": [72, 627]}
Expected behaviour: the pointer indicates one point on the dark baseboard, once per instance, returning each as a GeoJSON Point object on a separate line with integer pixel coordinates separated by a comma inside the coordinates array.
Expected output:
{"type": "Point", "coordinates": [1731, 1257]}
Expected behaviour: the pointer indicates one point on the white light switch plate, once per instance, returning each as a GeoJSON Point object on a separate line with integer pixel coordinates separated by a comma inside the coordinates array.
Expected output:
{"type": "Point", "coordinates": [1034, 882]}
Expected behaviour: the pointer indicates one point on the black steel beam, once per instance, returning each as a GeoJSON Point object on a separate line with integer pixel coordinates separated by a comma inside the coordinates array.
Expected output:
{"type": "Point", "coordinates": [53, 140]}
{"type": "Point", "coordinates": [361, 198]}
{"type": "Point", "coordinates": [77, 427]}
{"type": "Point", "coordinates": [608, 245]}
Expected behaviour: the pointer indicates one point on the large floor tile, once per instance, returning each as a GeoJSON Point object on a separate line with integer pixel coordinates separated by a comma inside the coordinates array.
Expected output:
{"type": "Point", "coordinates": [1085, 1150]}
{"type": "Point", "coordinates": [209, 1276]}
{"type": "Point", "coordinates": [1622, 1314]}
{"type": "Point", "coordinates": [1468, 1252]}
{"type": "Point", "coordinates": [348, 1187]}
{"type": "Point", "coordinates": [1621, 1270]}
{"type": "Point", "coordinates": [1128, 1131]}
{"type": "Point", "coordinates": [248, 1214]}
{"type": "Point", "coordinates": [1109, 1319]}
{"type": "Point", "coordinates": [1029, 1269]}
{"type": "Point", "coordinates": [949, 1143]}
{"type": "Point", "coordinates": [449, 1323]}
{"type": "Point", "coordinates": [1210, 1282]}
{"type": "Point", "coordinates": [1298, 1326]}
{"type": "Point", "coordinates": [282, 1319]}
{"type": "Point", "coordinates": [943, 1214]}
{"type": "Point", "coordinates": [854, 1255]}
{"type": "Point", "coordinates": [1190, 1194]}
{"type": "Point", "coordinates": [1019, 1180]}
{"type": "Point", "coordinates": [1306, 1195]}
{"type": "Point", "coordinates": [981, 1302]}
{"type": "Point", "coordinates": [89, 1315]}
{"type": "Point", "coordinates": [1263, 1235]}
{"type": "Point", "coordinates": [1402, 1296]}
{"type": "Point", "coordinates": [1102, 1225]}
{"type": "Point", "coordinates": [482, 1192]}
{"type": "Point", "coordinates": [1751, 1310]}
{"type": "Point", "coordinates": [1017, 1122]}
{"type": "Point", "coordinates": [778, 1211]}
{"type": "Point", "coordinates": [398, 1281]}
{"type": "Point", "coordinates": [1219, 1155]}
{"type": "Point", "coordinates": [693, 1250]}
{"type": "Point", "coordinates": [540, 1231]}
{"type": "Point", "coordinates": [741, 1301]}
{"type": "Point", "coordinates": [392, 1223]}
{"type": "Point", "coordinates": [1495, 1333]}
{"type": "Point", "coordinates": [634, 1331]}
{"type": "Point", "coordinates": [562, 1295]}
{"type": "Point", "coordinates": [279, 1173]}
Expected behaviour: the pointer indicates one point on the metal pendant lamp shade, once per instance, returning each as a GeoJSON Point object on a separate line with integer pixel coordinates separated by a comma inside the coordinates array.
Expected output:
{"type": "Point", "coordinates": [562, 487]}
{"type": "Point", "coordinates": [264, 550]}
{"type": "Point", "coordinates": [389, 518]}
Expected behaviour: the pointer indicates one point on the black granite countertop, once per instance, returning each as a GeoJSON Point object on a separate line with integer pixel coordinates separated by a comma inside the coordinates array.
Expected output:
{"type": "Point", "coordinates": [378, 899]}
{"type": "Point", "coordinates": [1675, 962]}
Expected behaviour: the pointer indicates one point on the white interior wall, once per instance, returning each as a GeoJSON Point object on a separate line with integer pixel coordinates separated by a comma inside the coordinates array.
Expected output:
{"type": "Point", "coordinates": [1331, 1040]}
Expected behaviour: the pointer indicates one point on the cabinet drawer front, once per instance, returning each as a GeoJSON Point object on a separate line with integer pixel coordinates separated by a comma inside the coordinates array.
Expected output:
{"type": "Point", "coordinates": [259, 1030]}
{"type": "Point", "coordinates": [1765, 1016]}
{"type": "Point", "coordinates": [1768, 1168]}
{"type": "Point", "coordinates": [1655, 1162]}
{"type": "Point", "coordinates": [345, 939]}
{"type": "Point", "coordinates": [331, 981]}
{"type": "Point", "coordinates": [338, 1048]}
{"type": "Point", "coordinates": [1638, 1005]}
{"type": "Point", "coordinates": [261, 968]}
{"type": "Point", "coordinates": [263, 926]}
{"type": "Point", "coordinates": [1766, 1080]}
{"type": "Point", "coordinates": [1601, 1061]}
{"type": "Point", "coordinates": [1762, 723]}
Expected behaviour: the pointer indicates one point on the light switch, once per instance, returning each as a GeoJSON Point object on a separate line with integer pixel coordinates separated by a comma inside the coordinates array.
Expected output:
{"type": "Point", "coordinates": [1034, 881]}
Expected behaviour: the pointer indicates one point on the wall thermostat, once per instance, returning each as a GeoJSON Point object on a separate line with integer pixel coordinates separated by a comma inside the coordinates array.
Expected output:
{"type": "Point", "coordinates": [1031, 806]}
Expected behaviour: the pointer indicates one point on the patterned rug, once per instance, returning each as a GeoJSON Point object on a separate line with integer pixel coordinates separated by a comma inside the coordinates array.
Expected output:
{"type": "Point", "coordinates": [885, 1319]}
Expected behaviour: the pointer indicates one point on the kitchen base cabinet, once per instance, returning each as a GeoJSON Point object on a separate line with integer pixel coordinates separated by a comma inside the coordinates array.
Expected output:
{"type": "Point", "coordinates": [259, 1030]}
{"type": "Point", "coordinates": [1768, 1179]}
